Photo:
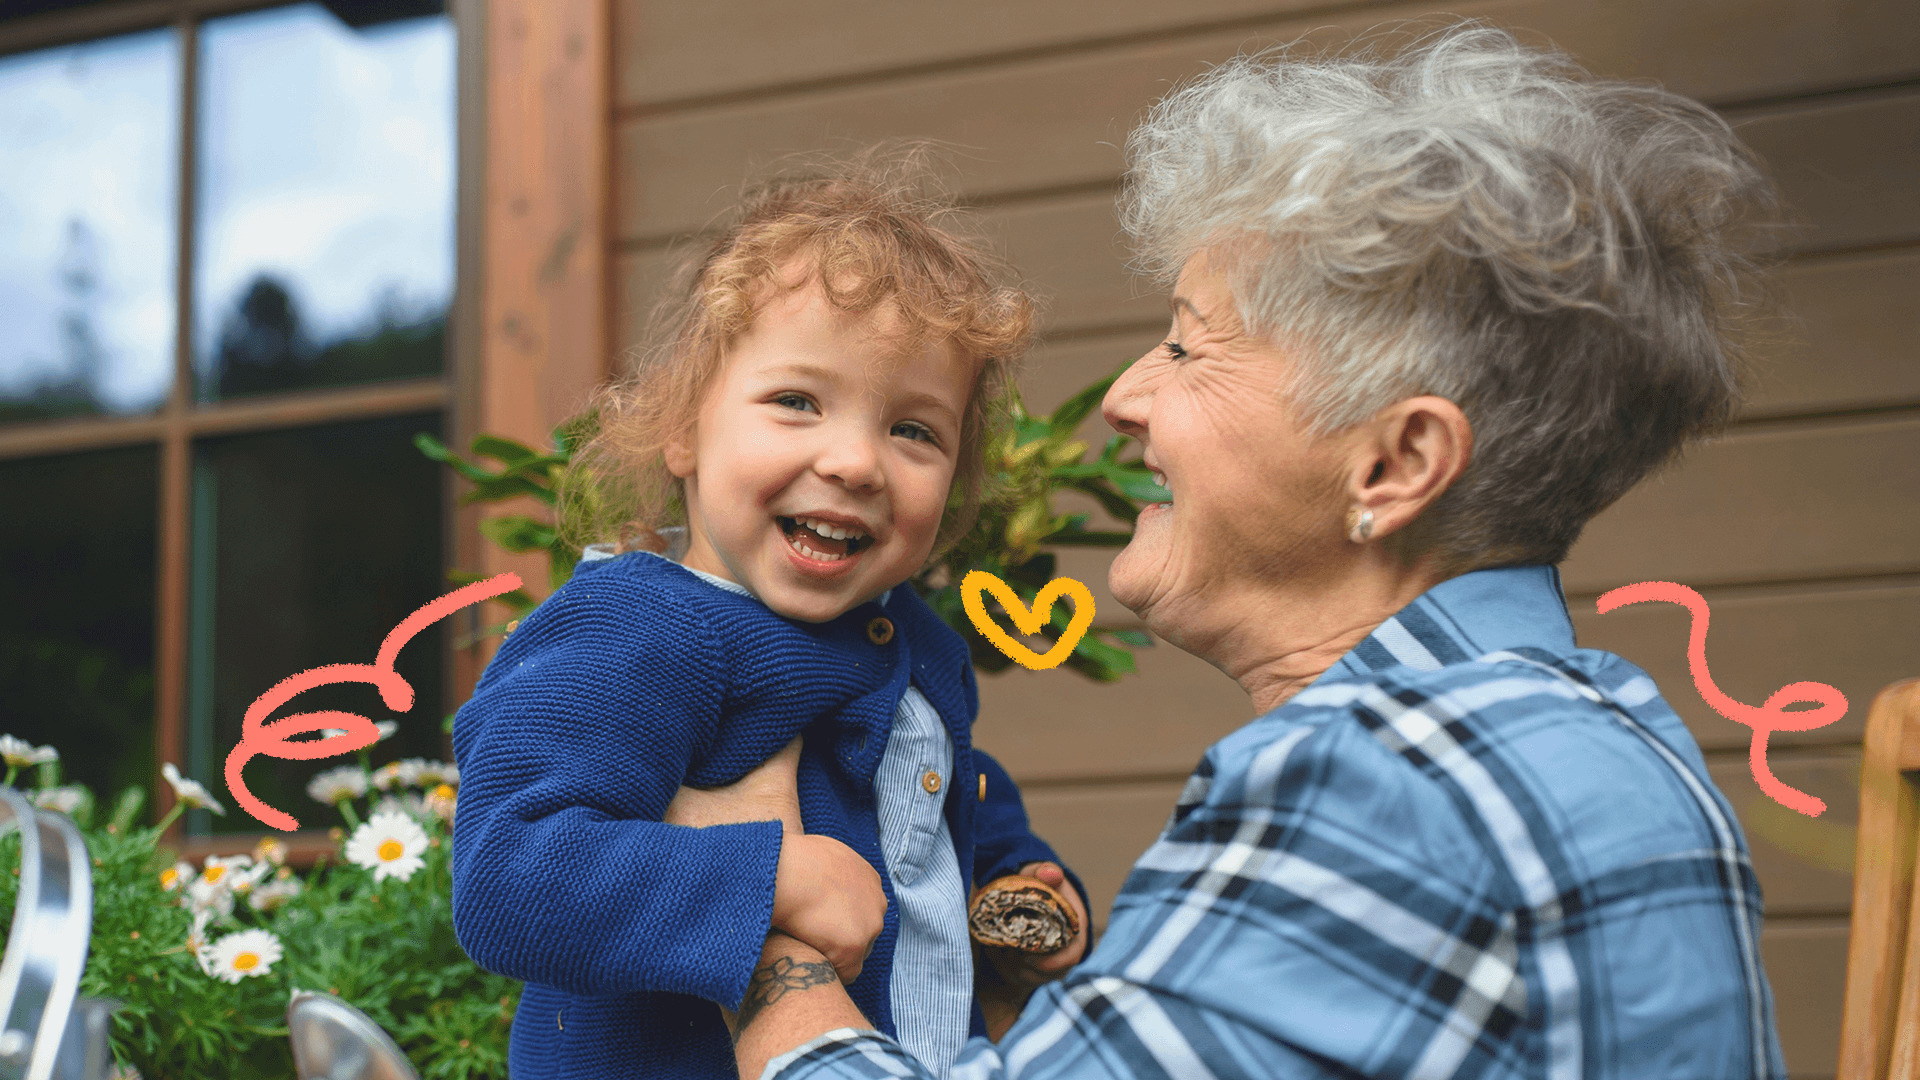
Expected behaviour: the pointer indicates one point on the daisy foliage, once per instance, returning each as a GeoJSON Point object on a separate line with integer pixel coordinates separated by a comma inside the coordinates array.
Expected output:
{"type": "Point", "coordinates": [204, 949]}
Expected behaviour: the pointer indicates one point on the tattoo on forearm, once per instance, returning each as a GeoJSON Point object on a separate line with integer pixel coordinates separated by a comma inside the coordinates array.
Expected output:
{"type": "Point", "coordinates": [784, 976]}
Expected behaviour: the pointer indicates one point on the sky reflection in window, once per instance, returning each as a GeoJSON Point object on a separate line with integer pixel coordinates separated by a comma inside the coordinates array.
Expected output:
{"type": "Point", "coordinates": [89, 136]}
{"type": "Point", "coordinates": [324, 247]}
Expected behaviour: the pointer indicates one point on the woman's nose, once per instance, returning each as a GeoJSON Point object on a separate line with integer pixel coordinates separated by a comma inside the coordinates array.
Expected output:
{"type": "Point", "coordinates": [1125, 406]}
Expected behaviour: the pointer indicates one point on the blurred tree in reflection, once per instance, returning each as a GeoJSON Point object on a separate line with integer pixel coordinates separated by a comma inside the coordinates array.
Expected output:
{"type": "Point", "coordinates": [83, 358]}
{"type": "Point", "coordinates": [264, 348]}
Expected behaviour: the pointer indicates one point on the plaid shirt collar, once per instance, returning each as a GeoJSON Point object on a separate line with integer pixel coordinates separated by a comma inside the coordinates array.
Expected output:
{"type": "Point", "coordinates": [1464, 618]}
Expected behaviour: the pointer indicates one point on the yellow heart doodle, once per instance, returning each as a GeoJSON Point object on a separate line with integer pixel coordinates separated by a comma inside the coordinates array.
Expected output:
{"type": "Point", "coordinates": [978, 582]}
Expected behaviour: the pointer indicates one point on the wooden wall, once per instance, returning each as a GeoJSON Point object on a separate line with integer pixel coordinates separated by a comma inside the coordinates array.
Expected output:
{"type": "Point", "coordinates": [1802, 526]}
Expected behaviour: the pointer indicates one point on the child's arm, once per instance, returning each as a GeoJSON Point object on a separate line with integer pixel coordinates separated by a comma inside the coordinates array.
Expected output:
{"type": "Point", "coordinates": [1004, 844]}
{"type": "Point", "coordinates": [570, 750]}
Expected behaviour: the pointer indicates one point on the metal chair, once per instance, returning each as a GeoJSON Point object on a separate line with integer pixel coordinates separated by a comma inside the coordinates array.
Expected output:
{"type": "Point", "coordinates": [332, 1040]}
{"type": "Point", "coordinates": [1880, 1025]}
{"type": "Point", "coordinates": [48, 1032]}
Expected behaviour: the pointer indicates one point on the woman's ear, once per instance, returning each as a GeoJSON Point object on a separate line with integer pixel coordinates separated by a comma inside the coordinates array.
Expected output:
{"type": "Point", "coordinates": [1412, 452]}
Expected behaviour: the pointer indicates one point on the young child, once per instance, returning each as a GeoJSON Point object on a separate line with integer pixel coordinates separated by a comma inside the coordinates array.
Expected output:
{"type": "Point", "coordinates": [816, 422]}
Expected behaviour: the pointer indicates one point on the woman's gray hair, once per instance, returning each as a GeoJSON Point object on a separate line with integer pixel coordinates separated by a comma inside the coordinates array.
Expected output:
{"type": "Point", "coordinates": [1560, 256]}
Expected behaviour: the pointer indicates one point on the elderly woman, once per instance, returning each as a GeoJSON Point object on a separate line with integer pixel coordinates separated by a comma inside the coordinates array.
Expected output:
{"type": "Point", "coordinates": [1431, 314]}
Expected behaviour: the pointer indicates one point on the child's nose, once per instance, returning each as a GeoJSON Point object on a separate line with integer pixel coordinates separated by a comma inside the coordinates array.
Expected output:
{"type": "Point", "coordinates": [851, 460]}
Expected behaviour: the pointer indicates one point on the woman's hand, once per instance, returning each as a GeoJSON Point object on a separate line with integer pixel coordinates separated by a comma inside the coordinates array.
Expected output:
{"type": "Point", "coordinates": [824, 894]}
{"type": "Point", "coordinates": [1012, 976]}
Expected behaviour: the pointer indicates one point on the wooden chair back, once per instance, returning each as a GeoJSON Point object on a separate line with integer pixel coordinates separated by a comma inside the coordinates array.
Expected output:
{"type": "Point", "coordinates": [1880, 1027]}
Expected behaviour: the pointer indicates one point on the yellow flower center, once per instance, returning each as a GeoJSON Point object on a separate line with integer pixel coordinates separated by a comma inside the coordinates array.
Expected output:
{"type": "Point", "coordinates": [169, 877]}
{"type": "Point", "coordinates": [391, 850]}
{"type": "Point", "coordinates": [444, 791]}
{"type": "Point", "coordinates": [246, 961]}
{"type": "Point", "coordinates": [214, 874]}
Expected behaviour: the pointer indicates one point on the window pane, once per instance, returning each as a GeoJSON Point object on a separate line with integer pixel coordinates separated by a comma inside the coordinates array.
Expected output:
{"type": "Point", "coordinates": [309, 546]}
{"type": "Point", "coordinates": [76, 611]}
{"type": "Point", "coordinates": [89, 138]}
{"type": "Point", "coordinates": [324, 246]}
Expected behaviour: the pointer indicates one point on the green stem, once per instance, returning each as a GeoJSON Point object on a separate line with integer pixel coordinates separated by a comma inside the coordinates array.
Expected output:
{"type": "Point", "coordinates": [172, 816]}
{"type": "Point", "coordinates": [12, 771]}
{"type": "Point", "coordinates": [346, 811]}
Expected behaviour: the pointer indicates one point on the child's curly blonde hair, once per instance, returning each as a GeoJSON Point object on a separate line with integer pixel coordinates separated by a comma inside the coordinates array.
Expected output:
{"type": "Point", "coordinates": [869, 234]}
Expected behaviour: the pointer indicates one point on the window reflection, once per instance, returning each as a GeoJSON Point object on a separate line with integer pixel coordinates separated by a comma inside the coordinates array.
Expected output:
{"type": "Point", "coordinates": [88, 175]}
{"type": "Point", "coordinates": [309, 546]}
{"type": "Point", "coordinates": [324, 244]}
{"type": "Point", "coordinates": [77, 612]}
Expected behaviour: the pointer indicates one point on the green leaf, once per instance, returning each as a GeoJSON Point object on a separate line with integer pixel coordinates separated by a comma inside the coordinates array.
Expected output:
{"type": "Point", "coordinates": [519, 534]}
{"type": "Point", "coordinates": [1066, 419]}
{"type": "Point", "coordinates": [434, 449]}
{"type": "Point", "coordinates": [500, 488]}
{"type": "Point", "coordinates": [502, 449]}
{"type": "Point", "coordinates": [1139, 639]}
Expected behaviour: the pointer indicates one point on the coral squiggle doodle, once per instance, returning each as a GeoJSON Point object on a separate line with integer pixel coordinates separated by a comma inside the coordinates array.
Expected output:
{"type": "Point", "coordinates": [1765, 719]}
{"type": "Point", "coordinates": [260, 736]}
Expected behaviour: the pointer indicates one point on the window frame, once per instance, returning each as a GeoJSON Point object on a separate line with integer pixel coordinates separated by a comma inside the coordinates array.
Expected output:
{"type": "Point", "coordinates": [182, 419]}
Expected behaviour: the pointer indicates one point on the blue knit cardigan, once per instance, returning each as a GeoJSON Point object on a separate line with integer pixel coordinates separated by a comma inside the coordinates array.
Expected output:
{"type": "Point", "coordinates": [634, 678]}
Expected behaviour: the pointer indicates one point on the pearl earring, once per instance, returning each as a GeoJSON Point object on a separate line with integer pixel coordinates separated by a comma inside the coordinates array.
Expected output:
{"type": "Point", "coordinates": [1359, 525]}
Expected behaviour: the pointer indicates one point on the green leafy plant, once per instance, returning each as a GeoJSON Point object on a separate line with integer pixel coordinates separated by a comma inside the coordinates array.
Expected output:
{"type": "Point", "coordinates": [1029, 467]}
{"type": "Point", "coordinates": [161, 928]}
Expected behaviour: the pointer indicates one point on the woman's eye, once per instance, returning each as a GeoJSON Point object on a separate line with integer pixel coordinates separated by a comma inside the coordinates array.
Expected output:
{"type": "Point", "coordinates": [794, 401]}
{"type": "Point", "coordinates": [911, 430]}
{"type": "Point", "coordinates": [1174, 349]}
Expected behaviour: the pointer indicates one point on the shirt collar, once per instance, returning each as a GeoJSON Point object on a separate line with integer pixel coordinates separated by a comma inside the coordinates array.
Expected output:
{"type": "Point", "coordinates": [1464, 618]}
{"type": "Point", "coordinates": [596, 552]}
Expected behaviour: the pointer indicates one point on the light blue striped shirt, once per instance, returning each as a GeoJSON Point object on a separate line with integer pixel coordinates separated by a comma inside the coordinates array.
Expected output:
{"type": "Point", "coordinates": [932, 985]}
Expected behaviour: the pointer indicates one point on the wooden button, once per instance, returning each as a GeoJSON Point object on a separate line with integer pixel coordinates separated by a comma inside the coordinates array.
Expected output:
{"type": "Point", "coordinates": [983, 787]}
{"type": "Point", "coordinates": [880, 631]}
{"type": "Point", "coordinates": [931, 781]}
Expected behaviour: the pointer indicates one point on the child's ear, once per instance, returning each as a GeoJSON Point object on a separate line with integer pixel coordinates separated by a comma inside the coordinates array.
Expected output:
{"type": "Point", "coordinates": [679, 454]}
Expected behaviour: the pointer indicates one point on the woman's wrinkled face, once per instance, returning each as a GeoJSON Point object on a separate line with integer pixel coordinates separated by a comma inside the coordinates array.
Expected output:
{"type": "Point", "coordinates": [1256, 500]}
{"type": "Point", "coordinates": [818, 469]}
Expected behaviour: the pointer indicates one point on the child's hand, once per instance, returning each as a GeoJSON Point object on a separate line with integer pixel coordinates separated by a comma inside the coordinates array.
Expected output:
{"type": "Point", "coordinates": [828, 896]}
{"type": "Point", "coordinates": [1014, 975]}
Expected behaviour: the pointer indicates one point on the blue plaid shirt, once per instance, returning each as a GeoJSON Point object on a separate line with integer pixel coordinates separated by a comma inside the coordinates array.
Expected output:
{"type": "Point", "coordinates": [1469, 849]}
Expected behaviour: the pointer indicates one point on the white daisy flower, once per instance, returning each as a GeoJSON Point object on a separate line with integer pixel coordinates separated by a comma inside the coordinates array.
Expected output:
{"type": "Point", "coordinates": [213, 890]}
{"type": "Point", "coordinates": [390, 845]}
{"type": "Point", "coordinates": [270, 850]}
{"type": "Point", "coordinates": [388, 776]}
{"type": "Point", "coordinates": [386, 728]}
{"type": "Point", "coordinates": [176, 877]}
{"type": "Point", "coordinates": [406, 803]}
{"type": "Point", "coordinates": [428, 774]}
{"type": "Point", "coordinates": [197, 937]}
{"type": "Point", "coordinates": [242, 955]}
{"type": "Point", "coordinates": [63, 800]}
{"type": "Point", "coordinates": [190, 792]}
{"type": "Point", "coordinates": [21, 754]}
{"type": "Point", "coordinates": [336, 786]}
{"type": "Point", "coordinates": [273, 894]}
{"type": "Point", "coordinates": [440, 800]}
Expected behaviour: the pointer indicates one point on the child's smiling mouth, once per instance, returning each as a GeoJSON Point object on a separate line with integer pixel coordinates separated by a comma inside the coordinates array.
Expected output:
{"type": "Point", "coordinates": [822, 541]}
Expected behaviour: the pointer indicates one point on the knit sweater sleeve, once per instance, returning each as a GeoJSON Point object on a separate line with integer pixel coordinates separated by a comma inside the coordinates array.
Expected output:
{"type": "Point", "coordinates": [1003, 840]}
{"type": "Point", "coordinates": [574, 742]}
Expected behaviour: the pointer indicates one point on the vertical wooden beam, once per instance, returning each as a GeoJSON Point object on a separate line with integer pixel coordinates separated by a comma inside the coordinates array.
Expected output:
{"type": "Point", "coordinates": [176, 461]}
{"type": "Point", "coordinates": [544, 337]}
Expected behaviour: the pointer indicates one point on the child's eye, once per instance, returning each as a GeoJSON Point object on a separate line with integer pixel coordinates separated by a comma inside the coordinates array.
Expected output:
{"type": "Point", "coordinates": [798, 402]}
{"type": "Point", "coordinates": [912, 429]}
{"type": "Point", "coordinates": [1174, 349]}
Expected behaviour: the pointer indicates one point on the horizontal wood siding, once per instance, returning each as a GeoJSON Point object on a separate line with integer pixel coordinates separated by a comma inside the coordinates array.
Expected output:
{"type": "Point", "coordinates": [1801, 525]}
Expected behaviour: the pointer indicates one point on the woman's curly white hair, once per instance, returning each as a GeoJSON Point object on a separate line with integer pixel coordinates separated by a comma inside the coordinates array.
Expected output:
{"type": "Point", "coordinates": [1561, 256]}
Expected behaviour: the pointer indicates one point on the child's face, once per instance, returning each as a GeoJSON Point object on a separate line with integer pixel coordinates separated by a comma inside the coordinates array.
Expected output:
{"type": "Point", "coordinates": [816, 425]}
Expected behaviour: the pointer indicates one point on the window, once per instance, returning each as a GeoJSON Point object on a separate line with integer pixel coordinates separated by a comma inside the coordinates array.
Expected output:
{"type": "Point", "coordinates": [227, 252]}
